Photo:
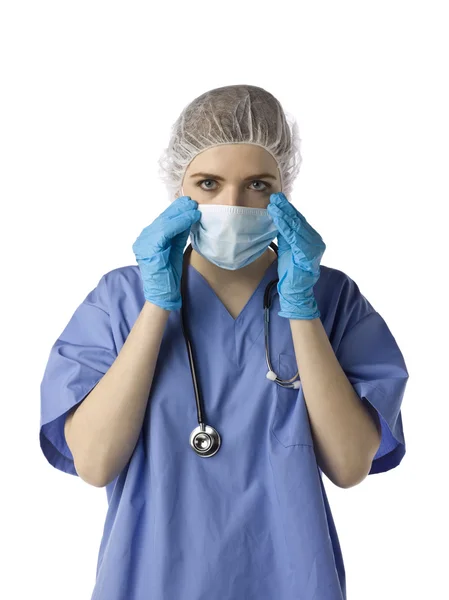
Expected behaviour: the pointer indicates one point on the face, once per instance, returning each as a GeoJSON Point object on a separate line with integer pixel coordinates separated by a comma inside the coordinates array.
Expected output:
{"type": "Point", "coordinates": [230, 176]}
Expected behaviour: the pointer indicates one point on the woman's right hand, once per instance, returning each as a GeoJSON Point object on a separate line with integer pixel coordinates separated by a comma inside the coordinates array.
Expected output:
{"type": "Point", "coordinates": [159, 252]}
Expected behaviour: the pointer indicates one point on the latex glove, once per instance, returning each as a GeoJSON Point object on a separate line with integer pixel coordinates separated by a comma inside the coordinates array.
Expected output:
{"type": "Point", "coordinates": [159, 252]}
{"type": "Point", "coordinates": [300, 250]}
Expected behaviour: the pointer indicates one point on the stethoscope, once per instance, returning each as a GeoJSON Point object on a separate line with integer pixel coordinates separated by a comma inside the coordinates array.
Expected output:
{"type": "Point", "coordinates": [204, 439]}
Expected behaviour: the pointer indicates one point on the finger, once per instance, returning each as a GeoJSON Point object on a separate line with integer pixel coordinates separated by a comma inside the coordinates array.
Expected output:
{"type": "Point", "coordinates": [180, 223]}
{"type": "Point", "coordinates": [304, 227]}
{"type": "Point", "coordinates": [179, 206]}
{"type": "Point", "coordinates": [284, 224]}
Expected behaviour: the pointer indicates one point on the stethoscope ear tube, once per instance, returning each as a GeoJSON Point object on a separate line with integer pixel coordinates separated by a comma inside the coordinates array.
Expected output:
{"type": "Point", "coordinates": [271, 375]}
{"type": "Point", "coordinates": [204, 439]}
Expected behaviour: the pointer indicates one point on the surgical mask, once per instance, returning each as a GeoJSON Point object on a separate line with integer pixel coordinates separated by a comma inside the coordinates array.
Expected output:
{"type": "Point", "coordinates": [232, 237]}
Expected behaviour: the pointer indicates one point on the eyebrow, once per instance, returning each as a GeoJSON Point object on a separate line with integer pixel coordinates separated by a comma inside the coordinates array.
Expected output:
{"type": "Point", "coordinates": [252, 177]}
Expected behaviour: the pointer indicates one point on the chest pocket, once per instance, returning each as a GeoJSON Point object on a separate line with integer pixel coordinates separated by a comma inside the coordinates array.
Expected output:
{"type": "Point", "coordinates": [291, 421]}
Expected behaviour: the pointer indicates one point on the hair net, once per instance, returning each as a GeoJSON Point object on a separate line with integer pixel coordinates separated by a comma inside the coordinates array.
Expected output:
{"type": "Point", "coordinates": [231, 115]}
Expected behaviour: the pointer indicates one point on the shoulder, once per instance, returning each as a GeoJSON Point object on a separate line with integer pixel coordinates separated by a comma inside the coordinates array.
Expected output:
{"type": "Point", "coordinates": [120, 286]}
{"type": "Point", "coordinates": [121, 277]}
{"type": "Point", "coordinates": [332, 273]}
{"type": "Point", "coordinates": [337, 282]}
{"type": "Point", "coordinates": [340, 297]}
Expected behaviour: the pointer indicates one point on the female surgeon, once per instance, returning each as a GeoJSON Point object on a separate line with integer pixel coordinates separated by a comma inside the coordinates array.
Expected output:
{"type": "Point", "coordinates": [208, 402]}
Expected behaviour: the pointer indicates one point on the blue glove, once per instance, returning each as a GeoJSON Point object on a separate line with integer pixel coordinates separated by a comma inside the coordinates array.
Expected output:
{"type": "Point", "coordinates": [300, 250]}
{"type": "Point", "coordinates": [159, 252]}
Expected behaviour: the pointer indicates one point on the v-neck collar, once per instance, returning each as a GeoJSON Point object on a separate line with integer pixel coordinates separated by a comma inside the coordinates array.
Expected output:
{"type": "Point", "coordinates": [195, 279]}
{"type": "Point", "coordinates": [214, 329]}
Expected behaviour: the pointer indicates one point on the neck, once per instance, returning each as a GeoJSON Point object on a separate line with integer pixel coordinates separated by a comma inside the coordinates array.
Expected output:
{"type": "Point", "coordinates": [217, 275]}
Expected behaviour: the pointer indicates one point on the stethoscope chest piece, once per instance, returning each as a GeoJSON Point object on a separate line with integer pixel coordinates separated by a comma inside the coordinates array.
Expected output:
{"type": "Point", "coordinates": [205, 440]}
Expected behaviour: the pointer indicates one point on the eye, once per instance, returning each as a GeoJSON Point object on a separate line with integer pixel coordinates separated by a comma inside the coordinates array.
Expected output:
{"type": "Point", "coordinates": [266, 184]}
{"type": "Point", "coordinates": [262, 182]}
{"type": "Point", "coordinates": [200, 182]}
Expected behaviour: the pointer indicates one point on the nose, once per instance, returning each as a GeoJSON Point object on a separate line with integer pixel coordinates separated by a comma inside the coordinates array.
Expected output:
{"type": "Point", "coordinates": [232, 198]}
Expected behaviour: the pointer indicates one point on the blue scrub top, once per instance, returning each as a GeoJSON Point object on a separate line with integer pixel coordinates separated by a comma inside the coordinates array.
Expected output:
{"type": "Point", "coordinates": [253, 521]}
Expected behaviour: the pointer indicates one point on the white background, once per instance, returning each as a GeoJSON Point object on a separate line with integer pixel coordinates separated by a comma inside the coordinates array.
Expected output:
{"type": "Point", "coordinates": [89, 91]}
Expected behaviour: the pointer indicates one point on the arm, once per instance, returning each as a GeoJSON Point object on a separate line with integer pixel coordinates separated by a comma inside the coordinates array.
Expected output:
{"type": "Point", "coordinates": [346, 434]}
{"type": "Point", "coordinates": [102, 431]}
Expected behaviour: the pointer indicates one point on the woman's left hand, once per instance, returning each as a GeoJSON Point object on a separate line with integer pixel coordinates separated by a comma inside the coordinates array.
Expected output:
{"type": "Point", "coordinates": [300, 249]}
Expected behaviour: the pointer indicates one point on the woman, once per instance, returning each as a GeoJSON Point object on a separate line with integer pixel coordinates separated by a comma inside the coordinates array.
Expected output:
{"type": "Point", "coordinates": [212, 465]}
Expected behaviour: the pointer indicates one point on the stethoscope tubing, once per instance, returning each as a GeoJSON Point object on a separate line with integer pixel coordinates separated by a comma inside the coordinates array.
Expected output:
{"type": "Point", "coordinates": [206, 433]}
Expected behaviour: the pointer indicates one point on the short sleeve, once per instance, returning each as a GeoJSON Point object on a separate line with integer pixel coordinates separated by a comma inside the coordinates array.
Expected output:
{"type": "Point", "coordinates": [78, 360]}
{"type": "Point", "coordinates": [373, 363]}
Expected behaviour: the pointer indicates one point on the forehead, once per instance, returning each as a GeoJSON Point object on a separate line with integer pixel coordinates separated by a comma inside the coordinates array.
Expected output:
{"type": "Point", "coordinates": [238, 158]}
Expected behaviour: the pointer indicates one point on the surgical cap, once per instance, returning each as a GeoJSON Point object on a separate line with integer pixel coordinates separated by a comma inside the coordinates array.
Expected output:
{"type": "Point", "coordinates": [235, 114]}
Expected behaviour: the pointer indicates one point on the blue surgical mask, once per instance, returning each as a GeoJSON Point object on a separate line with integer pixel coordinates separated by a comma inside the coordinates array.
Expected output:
{"type": "Point", "coordinates": [232, 237]}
